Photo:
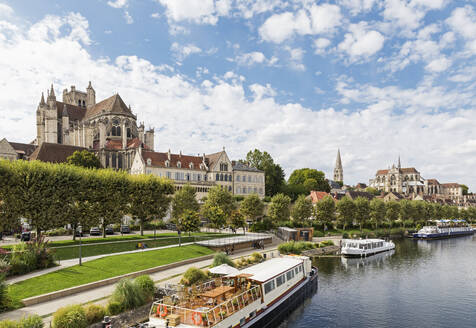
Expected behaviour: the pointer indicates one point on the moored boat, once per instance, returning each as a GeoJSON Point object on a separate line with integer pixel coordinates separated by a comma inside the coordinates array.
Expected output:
{"type": "Point", "coordinates": [444, 229]}
{"type": "Point", "coordinates": [365, 247]}
{"type": "Point", "coordinates": [257, 296]}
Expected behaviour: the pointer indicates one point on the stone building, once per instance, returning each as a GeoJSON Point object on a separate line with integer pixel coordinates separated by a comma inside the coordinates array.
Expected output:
{"type": "Point", "coordinates": [15, 150]}
{"type": "Point", "coordinates": [201, 172]}
{"type": "Point", "coordinates": [108, 127]}
{"type": "Point", "coordinates": [338, 170]}
{"type": "Point", "coordinates": [408, 181]}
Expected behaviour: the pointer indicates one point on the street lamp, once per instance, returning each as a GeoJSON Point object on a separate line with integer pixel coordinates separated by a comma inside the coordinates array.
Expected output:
{"type": "Point", "coordinates": [80, 229]}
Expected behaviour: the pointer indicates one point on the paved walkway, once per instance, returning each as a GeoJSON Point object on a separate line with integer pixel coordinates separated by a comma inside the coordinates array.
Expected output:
{"type": "Point", "coordinates": [99, 295]}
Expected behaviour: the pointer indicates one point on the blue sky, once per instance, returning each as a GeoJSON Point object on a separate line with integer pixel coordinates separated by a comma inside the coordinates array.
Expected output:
{"type": "Point", "coordinates": [296, 78]}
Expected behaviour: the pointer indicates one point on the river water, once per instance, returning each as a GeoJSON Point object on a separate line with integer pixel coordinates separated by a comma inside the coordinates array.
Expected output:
{"type": "Point", "coordinates": [420, 284]}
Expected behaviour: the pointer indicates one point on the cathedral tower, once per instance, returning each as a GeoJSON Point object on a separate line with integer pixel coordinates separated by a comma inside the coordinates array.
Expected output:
{"type": "Point", "coordinates": [338, 171]}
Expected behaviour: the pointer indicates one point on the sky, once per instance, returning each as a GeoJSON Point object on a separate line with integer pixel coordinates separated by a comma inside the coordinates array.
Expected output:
{"type": "Point", "coordinates": [298, 78]}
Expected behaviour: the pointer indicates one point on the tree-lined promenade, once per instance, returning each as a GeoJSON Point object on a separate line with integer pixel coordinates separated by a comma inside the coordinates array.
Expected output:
{"type": "Point", "coordinates": [54, 195]}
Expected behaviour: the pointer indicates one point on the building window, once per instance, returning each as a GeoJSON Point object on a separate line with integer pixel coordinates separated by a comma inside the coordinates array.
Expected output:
{"type": "Point", "coordinates": [187, 177]}
{"type": "Point", "coordinates": [179, 165]}
{"type": "Point", "coordinates": [167, 163]}
{"type": "Point", "coordinates": [169, 175]}
{"type": "Point", "coordinates": [229, 177]}
{"type": "Point", "coordinates": [226, 177]}
{"type": "Point", "coordinates": [229, 188]}
{"type": "Point", "coordinates": [238, 178]}
{"type": "Point", "coordinates": [129, 135]}
{"type": "Point", "coordinates": [119, 161]}
{"type": "Point", "coordinates": [79, 103]}
{"type": "Point", "coordinates": [249, 178]}
{"type": "Point", "coordinates": [107, 160]}
{"type": "Point", "coordinates": [223, 167]}
{"type": "Point", "coordinates": [217, 177]}
{"type": "Point", "coordinates": [191, 166]}
{"type": "Point", "coordinates": [113, 160]}
{"type": "Point", "coordinates": [221, 177]}
{"type": "Point", "coordinates": [149, 161]}
{"type": "Point", "coordinates": [199, 177]}
{"type": "Point", "coordinates": [237, 190]}
{"type": "Point", "coordinates": [249, 190]}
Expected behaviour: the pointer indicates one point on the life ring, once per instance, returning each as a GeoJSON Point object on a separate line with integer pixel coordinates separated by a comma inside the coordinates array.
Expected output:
{"type": "Point", "coordinates": [162, 310]}
{"type": "Point", "coordinates": [197, 321]}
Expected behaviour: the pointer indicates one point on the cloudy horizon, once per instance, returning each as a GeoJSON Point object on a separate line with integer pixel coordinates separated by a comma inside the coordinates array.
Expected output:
{"type": "Point", "coordinates": [299, 79]}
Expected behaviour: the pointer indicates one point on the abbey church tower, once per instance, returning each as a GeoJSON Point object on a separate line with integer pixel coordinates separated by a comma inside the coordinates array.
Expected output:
{"type": "Point", "coordinates": [338, 170]}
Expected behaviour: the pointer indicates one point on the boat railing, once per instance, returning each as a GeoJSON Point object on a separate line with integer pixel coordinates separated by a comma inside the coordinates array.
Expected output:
{"type": "Point", "coordinates": [203, 316]}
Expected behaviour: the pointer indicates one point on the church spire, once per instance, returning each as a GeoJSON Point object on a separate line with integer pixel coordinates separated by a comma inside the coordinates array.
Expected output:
{"type": "Point", "coordinates": [52, 92]}
{"type": "Point", "coordinates": [338, 170]}
{"type": "Point", "coordinates": [42, 101]}
{"type": "Point", "coordinates": [399, 165]}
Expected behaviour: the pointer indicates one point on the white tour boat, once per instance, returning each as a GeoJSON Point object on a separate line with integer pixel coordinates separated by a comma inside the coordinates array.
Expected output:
{"type": "Point", "coordinates": [445, 229]}
{"type": "Point", "coordinates": [365, 247]}
{"type": "Point", "coordinates": [258, 296]}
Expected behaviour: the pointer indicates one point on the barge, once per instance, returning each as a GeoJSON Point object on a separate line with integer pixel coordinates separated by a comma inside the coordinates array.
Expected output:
{"type": "Point", "coordinates": [444, 229]}
{"type": "Point", "coordinates": [260, 296]}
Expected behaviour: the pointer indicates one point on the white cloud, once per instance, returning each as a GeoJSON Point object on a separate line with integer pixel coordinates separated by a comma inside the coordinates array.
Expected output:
{"type": "Point", "coordinates": [254, 57]}
{"type": "Point", "coordinates": [128, 17]}
{"type": "Point", "coordinates": [183, 51]}
{"type": "Point", "coordinates": [197, 11]}
{"type": "Point", "coordinates": [463, 22]}
{"type": "Point", "coordinates": [295, 58]}
{"type": "Point", "coordinates": [155, 15]}
{"type": "Point", "coordinates": [118, 3]}
{"type": "Point", "coordinates": [357, 6]}
{"type": "Point", "coordinates": [360, 42]}
{"type": "Point", "coordinates": [5, 10]}
{"type": "Point", "coordinates": [312, 20]}
{"type": "Point", "coordinates": [224, 114]}
{"type": "Point", "coordinates": [425, 48]}
{"type": "Point", "coordinates": [320, 45]}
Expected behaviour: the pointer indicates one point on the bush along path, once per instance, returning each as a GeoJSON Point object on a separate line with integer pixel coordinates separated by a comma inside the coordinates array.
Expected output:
{"type": "Point", "coordinates": [100, 269]}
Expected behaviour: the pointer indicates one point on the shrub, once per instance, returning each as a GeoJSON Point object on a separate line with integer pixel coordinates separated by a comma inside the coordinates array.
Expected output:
{"type": "Point", "coordinates": [326, 243]}
{"type": "Point", "coordinates": [222, 258]}
{"type": "Point", "coordinates": [193, 276]}
{"type": "Point", "coordinates": [293, 247]}
{"type": "Point", "coordinates": [94, 313]}
{"type": "Point", "coordinates": [34, 321]}
{"type": "Point", "coordinates": [129, 294]}
{"type": "Point", "coordinates": [8, 324]}
{"type": "Point", "coordinates": [114, 308]}
{"type": "Point", "coordinates": [71, 316]}
{"type": "Point", "coordinates": [256, 257]}
{"type": "Point", "coordinates": [30, 256]}
{"type": "Point", "coordinates": [59, 232]}
{"type": "Point", "coordinates": [345, 235]}
{"type": "Point", "coordinates": [4, 297]}
{"type": "Point", "coordinates": [146, 285]}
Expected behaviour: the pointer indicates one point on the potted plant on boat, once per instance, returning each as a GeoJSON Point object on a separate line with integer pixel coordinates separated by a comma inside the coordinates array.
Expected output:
{"type": "Point", "coordinates": [204, 319]}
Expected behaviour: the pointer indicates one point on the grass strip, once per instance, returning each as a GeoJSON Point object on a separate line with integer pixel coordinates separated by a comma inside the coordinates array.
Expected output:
{"type": "Point", "coordinates": [103, 268]}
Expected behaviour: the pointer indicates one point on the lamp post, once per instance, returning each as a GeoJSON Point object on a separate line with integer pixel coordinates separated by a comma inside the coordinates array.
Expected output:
{"type": "Point", "coordinates": [80, 229]}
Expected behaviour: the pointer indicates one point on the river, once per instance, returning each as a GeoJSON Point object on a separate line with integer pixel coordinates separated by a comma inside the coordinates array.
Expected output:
{"type": "Point", "coordinates": [420, 284]}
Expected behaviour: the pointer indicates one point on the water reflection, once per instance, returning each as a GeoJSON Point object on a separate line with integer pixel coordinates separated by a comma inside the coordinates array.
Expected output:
{"type": "Point", "coordinates": [434, 280]}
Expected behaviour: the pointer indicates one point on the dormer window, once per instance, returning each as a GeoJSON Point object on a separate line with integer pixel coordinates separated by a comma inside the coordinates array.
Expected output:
{"type": "Point", "coordinates": [190, 166]}
{"type": "Point", "coordinates": [149, 161]}
{"type": "Point", "coordinates": [167, 164]}
{"type": "Point", "coordinates": [179, 165]}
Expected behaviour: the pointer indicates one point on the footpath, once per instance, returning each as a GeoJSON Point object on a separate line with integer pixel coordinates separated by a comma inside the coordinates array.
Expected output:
{"type": "Point", "coordinates": [100, 295]}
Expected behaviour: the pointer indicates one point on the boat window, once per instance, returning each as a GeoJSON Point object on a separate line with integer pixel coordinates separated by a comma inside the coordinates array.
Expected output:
{"type": "Point", "coordinates": [296, 270]}
{"type": "Point", "coordinates": [269, 286]}
{"type": "Point", "coordinates": [290, 275]}
{"type": "Point", "coordinates": [280, 280]}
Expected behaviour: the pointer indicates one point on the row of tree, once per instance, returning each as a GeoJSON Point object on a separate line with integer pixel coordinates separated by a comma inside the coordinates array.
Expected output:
{"type": "Point", "coordinates": [54, 195]}
{"type": "Point", "coordinates": [361, 211]}
{"type": "Point", "coordinates": [300, 182]}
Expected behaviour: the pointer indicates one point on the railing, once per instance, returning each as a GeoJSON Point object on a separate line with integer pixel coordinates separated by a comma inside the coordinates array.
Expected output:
{"type": "Point", "coordinates": [238, 239]}
{"type": "Point", "coordinates": [203, 316]}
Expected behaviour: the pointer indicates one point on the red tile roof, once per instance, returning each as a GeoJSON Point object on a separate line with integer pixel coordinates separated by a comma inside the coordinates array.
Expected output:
{"type": "Point", "coordinates": [451, 185]}
{"type": "Point", "coordinates": [317, 195]}
{"type": "Point", "coordinates": [433, 182]}
{"type": "Point", "coordinates": [403, 170]}
{"type": "Point", "coordinates": [158, 160]}
{"type": "Point", "coordinates": [382, 172]}
{"type": "Point", "coordinates": [117, 144]}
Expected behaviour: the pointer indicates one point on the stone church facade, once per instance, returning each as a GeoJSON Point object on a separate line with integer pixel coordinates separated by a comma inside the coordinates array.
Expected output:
{"type": "Point", "coordinates": [108, 127]}
{"type": "Point", "coordinates": [408, 181]}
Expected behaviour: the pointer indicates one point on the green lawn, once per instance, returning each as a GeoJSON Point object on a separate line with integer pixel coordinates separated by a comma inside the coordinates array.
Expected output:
{"type": "Point", "coordinates": [100, 269]}
{"type": "Point", "coordinates": [92, 249]}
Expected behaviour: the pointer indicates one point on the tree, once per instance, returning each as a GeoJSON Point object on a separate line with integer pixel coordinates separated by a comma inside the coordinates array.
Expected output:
{"type": "Point", "coordinates": [419, 209]}
{"type": "Point", "coordinates": [346, 211]}
{"type": "Point", "coordinates": [362, 210]}
{"type": "Point", "coordinates": [274, 174]}
{"type": "Point", "coordinates": [278, 209]}
{"type": "Point", "coordinates": [377, 211]}
{"type": "Point", "coordinates": [429, 211]}
{"type": "Point", "coordinates": [252, 207]}
{"type": "Point", "coordinates": [392, 210]}
{"type": "Point", "coordinates": [184, 200]}
{"type": "Point", "coordinates": [465, 189]}
{"type": "Point", "coordinates": [437, 211]}
{"type": "Point", "coordinates": [325, 210]}
{"type": "Point", "coordinates": [85, 159]}
{"type": "Point", "coordinates": [311, 179]}
{"type": "Point", "coordinates": [221, 198]}
{"type": "Point", "coordinates": [302, 209]}
{"type": "Point", "coordinates": [216, 216]}
{"type": "Point", "coordinates": [293, 191]}
{"type": "Point", "coordinates": [372, 191]}
{"type": "Point", "coordinates": [406, 211]}
{"type": "Point", "coordinates": [237, 220]}
{"type": "Point", "coordinates": [149, 197]}
{"type": "Point", "coordinates": [188, 221]}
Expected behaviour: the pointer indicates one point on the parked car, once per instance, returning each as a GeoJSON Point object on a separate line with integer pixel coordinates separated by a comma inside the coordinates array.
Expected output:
{"type": "Point", "coordinates": [78, 234]}
{"type": "Point", "coordinates": [125, 228]}
{"type": "Point", "coordinates": [171, 226]}
{"type": "Point", "coordinates": [25, 236]}
{"type": "Point", "coordinates": [109, 230]}
{"type": "Point", "coordinates": [95, 231]}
